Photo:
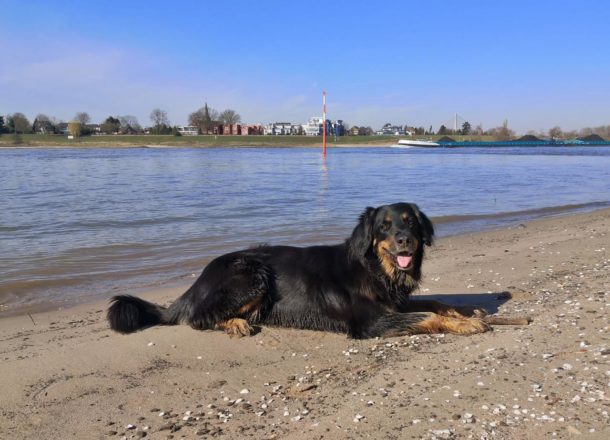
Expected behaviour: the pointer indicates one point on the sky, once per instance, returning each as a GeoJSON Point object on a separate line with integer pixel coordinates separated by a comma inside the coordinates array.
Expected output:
{"type": "Point", "coordinates": [537, 64]}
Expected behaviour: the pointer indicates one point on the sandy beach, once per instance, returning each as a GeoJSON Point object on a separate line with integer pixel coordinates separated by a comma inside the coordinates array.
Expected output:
{"type": "Point", "coordinates": [66, 375]}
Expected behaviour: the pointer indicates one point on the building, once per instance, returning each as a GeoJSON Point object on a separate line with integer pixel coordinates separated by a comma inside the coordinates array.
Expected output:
{"type": "Point", "coordinates": [62, 128]}
{"type": "Point", "coordinates": [43, 126]}
{"type": "Point", "coordinates": [253, 129]}
{"type": "Point", "coordinates": [313, 127]}
{"type": "Point", "coordinates": [281, 128]}
{"type": "Point", "coordinates": [337, 128]}
{"type": "Point", "coordinates": [389, 129]}
{"type": "Point", "coordinates": [94, 128]}
{"type": "Point", "coordinates": [188, 130]}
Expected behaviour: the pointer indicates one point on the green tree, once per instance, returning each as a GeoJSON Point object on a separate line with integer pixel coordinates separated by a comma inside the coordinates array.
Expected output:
{"type": "Point", "coordinates": [2, 127]}
{"type": "Point", "coordinates": [111, 125]}
{"type": "Point", "coordinates": [19, 123]}
{"type": "Point", "coordinates": [442, 130]}
{"type": "Point", "coordinates": [466, 128]}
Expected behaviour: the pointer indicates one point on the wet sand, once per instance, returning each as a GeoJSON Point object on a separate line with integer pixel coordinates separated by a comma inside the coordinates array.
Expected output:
{"type": "Point", "coordinates": [66, 375]}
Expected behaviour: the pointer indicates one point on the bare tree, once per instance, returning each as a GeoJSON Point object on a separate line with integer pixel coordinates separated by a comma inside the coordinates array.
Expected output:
{"type": "Point", "coordinates": [229, 117]}
{"type": "Point", "coordinates": [129, 124]}
{"type": "Point", "coordinates": [83, 118]}
{"type": "Point", "coordinates": [603, 131]}
{"type": "Point", "coordinates": [204, 119]}
{"type": "Point", "coordinates": [159, 118]}
{"type": "Point", "coordinates": [502, 133]}
{"type": "Point", "coordinates": [555, 132]}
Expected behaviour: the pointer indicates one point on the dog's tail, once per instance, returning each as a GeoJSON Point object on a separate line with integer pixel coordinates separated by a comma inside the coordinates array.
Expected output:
{"type": "Point", "coordinates": [128, 314]}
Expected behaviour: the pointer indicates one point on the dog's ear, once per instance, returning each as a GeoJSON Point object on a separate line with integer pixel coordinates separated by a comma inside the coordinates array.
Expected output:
{"type": "Point", "coordinates": [425, 225]}
{"type": "Point", "coordinates": [361, 240]}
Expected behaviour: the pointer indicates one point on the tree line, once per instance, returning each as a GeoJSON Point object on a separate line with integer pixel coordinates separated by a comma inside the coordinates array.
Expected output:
{"type": "Point", "coordinates": [501, 133]}
{"type": "Point", "coordinates": [557, 133]}
{"type": "Point", "coordinates": [204, 119]}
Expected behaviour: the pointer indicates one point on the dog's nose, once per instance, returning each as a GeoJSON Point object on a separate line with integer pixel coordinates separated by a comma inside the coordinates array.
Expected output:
{"type": "Point", "coordinates": [403, 239]}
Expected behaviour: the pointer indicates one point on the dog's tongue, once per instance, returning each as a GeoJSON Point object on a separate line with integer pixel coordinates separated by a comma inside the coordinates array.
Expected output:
{"type": "Point", "coordinates": [403, 260]}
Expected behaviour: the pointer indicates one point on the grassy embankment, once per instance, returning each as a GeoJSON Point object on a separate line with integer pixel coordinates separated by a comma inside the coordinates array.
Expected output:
{"type": "Point", "coordinates": [40, 140]}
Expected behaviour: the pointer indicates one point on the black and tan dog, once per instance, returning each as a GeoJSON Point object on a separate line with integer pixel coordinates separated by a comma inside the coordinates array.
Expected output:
{"type": "Point", "coordinates": [361, 287]}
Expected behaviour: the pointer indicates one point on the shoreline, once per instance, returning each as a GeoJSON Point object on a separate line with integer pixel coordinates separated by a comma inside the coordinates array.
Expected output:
{"type": "Point", "coordinates": [207, 141]}
{"type": "Point", "coordinates": [66, 375]}
{"type": "Point", "coordinates": [373, 144]}
{"type": "Point", "coordinates": [446, 226]}
{"type": "Point", "coordinates": [105, 145]}
{"type": "Point", "coordinates": [259, 141]}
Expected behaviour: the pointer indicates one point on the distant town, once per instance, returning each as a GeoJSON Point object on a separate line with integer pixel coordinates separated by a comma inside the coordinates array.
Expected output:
{"type": "Point", "coordinates": [208, 121]}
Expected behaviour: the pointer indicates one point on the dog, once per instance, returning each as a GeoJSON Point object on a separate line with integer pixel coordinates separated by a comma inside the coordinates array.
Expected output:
{"type": "Point", "coordinates": [361, 287]}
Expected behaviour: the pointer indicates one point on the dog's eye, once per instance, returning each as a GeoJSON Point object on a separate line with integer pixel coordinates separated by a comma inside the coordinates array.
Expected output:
{"type": "Point", "coordinates": [407, 220]}
{"type": "Point", "coordinates": [385, 226]}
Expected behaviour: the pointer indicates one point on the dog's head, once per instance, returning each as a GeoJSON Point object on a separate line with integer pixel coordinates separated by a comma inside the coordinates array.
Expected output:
{"type": "Point", "coordinates": [395, 236]}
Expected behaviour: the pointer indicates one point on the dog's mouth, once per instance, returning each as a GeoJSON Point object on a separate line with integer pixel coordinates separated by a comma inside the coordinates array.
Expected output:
{"type": "Point", "coordinates": [403, 260]}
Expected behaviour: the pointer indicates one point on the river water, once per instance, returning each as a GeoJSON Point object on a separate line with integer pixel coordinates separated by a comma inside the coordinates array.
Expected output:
{"type": "Point", "coordinates": [79, 224]}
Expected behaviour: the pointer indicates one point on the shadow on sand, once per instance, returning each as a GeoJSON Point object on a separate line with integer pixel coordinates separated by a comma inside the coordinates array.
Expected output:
{"type": "Point", "coordinates": [491, 302]}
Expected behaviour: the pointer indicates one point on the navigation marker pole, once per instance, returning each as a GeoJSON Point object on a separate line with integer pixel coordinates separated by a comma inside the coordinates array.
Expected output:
{"type": "Point", "coordinates": [324, 123]}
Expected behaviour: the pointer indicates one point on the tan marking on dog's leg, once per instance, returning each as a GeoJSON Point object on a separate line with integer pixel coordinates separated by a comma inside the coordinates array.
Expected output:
{"type": "Point", "coordinates": [434, 323]}
{"type": "Point", "coordinates": [446, 310]}
{"type": "Point", "coordinates": [446, 324]}
{"type": "Point", "coordinates": [235, 327]}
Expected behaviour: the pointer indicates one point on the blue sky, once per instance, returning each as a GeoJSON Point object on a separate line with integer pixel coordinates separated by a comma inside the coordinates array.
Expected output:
{"type": "Point", "coordinates": [537, 64]}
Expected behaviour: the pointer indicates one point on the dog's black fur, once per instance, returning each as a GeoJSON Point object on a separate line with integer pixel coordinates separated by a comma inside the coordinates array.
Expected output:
{"type": "Point", "coordinates": [357, 287]}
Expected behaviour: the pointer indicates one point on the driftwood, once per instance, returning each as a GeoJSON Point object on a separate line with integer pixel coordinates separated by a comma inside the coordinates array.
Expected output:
{"type": "Point", "coordinates": [506, 320]}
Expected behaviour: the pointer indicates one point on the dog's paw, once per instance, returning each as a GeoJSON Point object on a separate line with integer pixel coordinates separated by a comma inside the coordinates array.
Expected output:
{"type": "Point", "coordinates": [236, 327]}
{"type": "Point", "coordinates": [468, 326]}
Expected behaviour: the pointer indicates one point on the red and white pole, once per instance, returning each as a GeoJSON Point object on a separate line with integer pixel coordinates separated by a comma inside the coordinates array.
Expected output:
{"type": "Point", "coordinates": [324, 123]}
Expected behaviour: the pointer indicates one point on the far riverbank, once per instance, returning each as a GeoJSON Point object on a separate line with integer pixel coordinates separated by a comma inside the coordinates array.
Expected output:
{"type": "Point", "coordinates": [118, 141]}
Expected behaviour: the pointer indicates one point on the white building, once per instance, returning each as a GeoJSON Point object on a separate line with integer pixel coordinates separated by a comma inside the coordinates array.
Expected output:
{"type": "Point", "coordinates": [188, 130]}
{"type": "Point", "coordinates": [313, 126]}
{"type": "Point", "coordinates": [281, 128]}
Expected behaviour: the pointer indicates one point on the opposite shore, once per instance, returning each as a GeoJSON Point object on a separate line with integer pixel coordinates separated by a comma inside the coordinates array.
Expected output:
{"type": "Point", "coordinates": [548, 379]}
{"type": "Point", "coordinates": [130, 141]}
{"type": "Point", "coordinates": [264, 141]}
